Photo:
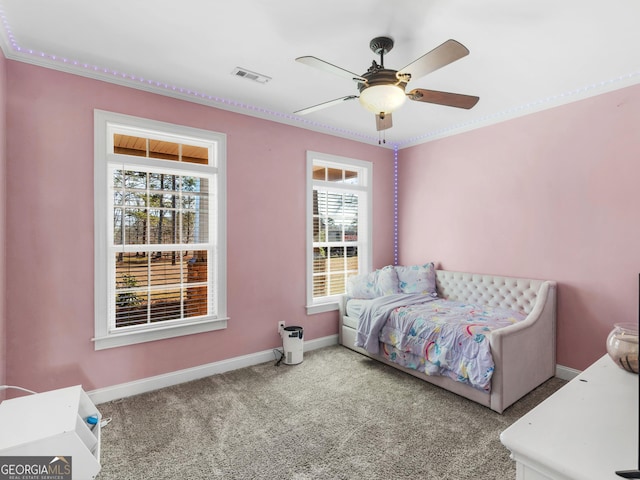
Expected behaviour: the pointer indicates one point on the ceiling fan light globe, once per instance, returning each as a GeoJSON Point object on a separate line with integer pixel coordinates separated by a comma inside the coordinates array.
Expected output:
{"type": "Point", "coordinates": [382, 98]}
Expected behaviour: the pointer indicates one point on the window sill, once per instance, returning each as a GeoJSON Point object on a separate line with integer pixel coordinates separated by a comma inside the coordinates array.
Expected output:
{"type": "Point", "coordinates": [121, 339]}
{"type": "Point", "coordinates": [322, 307]}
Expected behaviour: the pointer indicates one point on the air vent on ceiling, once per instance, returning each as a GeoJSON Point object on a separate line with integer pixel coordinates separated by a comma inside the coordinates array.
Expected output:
{"type": "Point", "coordinates": [249, 75]}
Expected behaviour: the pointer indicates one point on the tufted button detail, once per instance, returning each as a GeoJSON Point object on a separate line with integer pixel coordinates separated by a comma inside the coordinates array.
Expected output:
{"type": "Point", "coordinates": [508, 292]}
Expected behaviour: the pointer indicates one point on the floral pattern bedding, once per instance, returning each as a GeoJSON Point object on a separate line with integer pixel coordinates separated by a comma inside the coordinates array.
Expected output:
{"type": "Point", "coordinates": [443, 337]}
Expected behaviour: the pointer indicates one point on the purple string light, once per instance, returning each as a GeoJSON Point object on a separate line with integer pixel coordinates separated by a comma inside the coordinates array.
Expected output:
{"type": "Point", "coordinates": [129, 78]}
{"type": "Point", "coordinates": [395, 205]}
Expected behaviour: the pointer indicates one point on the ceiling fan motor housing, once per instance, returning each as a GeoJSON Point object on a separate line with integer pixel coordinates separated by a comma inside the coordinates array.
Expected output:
{"type": "Point", "coordinates": [381, 76]}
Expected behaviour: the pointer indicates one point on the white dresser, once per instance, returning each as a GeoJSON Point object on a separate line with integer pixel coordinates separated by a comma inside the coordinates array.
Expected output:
{"type": "Point", "coordinates": [586, 430]}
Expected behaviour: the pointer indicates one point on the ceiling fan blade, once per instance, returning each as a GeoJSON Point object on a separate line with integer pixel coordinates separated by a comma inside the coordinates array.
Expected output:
{"type": "Point", "coordinates": [329, 67]}
{"type": "Point", "coordinates": [443, 98]}
{"type": "Point", "coordinates": [383, 122]}
{"type": "Point", "coordinates": [442, 55]}
{"type": "Point", "coordinates": [320, 106]}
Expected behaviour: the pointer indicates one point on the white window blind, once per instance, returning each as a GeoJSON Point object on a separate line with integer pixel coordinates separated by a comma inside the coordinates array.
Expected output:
{"type": "Point", "coordinates": [161, 246]}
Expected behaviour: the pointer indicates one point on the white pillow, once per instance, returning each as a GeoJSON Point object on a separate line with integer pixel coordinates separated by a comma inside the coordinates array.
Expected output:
{"type": "Point", "coordinates": [383, 281]}
{"type": "Point", "coordinates": [363, 285]}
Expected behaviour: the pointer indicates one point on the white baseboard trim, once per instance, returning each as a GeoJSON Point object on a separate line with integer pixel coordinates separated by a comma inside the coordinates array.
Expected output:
{"type": "Point", "coordinates": [123, 390]}
{"type": "Point", "coordinates": [566, 373]}
{"type": "Point", "coordinates": [149, 384]}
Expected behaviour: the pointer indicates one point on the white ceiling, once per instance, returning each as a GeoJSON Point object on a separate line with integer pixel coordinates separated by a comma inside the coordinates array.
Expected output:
{"type": "Point", "coordinates": [525, 55]}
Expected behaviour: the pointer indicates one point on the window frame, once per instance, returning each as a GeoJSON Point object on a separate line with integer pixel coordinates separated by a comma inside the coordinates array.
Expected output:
{"type": "Point", "coordinates": [365, 220]}
{"type": "Point", "coordinates": [105, 124]}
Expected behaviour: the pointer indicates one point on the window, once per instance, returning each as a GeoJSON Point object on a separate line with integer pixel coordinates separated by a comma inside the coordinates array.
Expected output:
{"type": "Point", "coordinates": [160, 254]}
{"type": "Point", "coordinates": [339, 226]}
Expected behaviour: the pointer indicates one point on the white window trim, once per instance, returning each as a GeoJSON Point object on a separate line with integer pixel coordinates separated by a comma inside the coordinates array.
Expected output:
{"type": "Point", "coordinates": [104, 338]}
{"type": "Point", "coordinates": [365, 248]}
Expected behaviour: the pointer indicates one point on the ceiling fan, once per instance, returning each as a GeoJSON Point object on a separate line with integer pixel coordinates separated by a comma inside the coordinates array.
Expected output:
{"type": "Point", "coordinates": [382, 90]}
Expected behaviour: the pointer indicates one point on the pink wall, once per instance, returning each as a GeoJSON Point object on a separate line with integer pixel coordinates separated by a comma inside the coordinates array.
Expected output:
{"type": "Point", "coordinates": [3, 202]}
{"type": "Point", "coordinates": [50, 231]}
{"type": "Point", "coordinates": [558, 188]}
{"type": "Point", "coordinates": [552, 195]}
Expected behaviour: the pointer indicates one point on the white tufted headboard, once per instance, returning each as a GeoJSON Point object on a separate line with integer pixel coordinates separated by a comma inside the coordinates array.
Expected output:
{"type": "Point", "coordinates": [507, 292]}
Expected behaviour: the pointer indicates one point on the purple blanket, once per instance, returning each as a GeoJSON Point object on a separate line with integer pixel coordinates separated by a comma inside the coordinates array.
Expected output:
{"type": "Point", "coordinates": [375, 315]}
{"type": "Point", "coordinates": [434, 336]}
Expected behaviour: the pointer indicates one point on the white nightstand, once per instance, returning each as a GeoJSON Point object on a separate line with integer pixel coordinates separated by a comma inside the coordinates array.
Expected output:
{"type": "Point", "coordinates": [586, 430]}
{"type": "Point", "coordinates": [53, 424]}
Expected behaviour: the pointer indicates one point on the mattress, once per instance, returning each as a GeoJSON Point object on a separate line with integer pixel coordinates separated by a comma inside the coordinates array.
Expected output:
{"type": "Point", "coordinates": [355, 306]}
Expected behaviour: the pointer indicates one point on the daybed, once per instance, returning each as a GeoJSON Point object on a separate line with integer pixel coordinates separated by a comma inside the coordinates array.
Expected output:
{"type": "Point", "coordinates": [523, 352]}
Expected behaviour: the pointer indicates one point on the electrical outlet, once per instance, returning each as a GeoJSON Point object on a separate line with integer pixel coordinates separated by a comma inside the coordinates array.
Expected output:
{"type": "Point", "coordinates": [280, 327]}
